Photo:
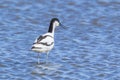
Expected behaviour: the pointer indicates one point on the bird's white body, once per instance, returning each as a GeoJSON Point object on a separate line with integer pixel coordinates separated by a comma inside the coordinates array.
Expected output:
{"type": "Point", "coordinates": [44, 45]}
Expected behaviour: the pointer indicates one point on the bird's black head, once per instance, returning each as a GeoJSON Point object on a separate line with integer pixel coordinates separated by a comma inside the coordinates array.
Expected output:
{"type": "Point", "coordinates": [54, 19]}
{"type": "Point", "coordinates": [54, 23]}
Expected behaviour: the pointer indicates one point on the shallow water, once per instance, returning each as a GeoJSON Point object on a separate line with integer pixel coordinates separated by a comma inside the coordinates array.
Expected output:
{"type": "Point", "coordinates": [89, 49]}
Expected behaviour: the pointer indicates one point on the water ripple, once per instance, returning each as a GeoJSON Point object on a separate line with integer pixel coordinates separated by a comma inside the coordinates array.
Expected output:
{"type": "Point", "coordinates": [90, 44]}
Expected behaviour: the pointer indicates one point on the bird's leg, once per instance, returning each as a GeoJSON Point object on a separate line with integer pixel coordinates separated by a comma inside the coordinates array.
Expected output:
{"type": "Point", "coordinates": [47, 57]}
{"type": "Point", "coordinates": [38, 58]}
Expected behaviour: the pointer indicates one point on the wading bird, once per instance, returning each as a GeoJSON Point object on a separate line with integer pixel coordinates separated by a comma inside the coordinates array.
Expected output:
{"type": "Point", "coordinates": [44, 43]}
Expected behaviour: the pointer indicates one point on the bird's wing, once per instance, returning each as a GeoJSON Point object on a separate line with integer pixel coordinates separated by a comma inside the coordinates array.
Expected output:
{"type": "Point", "coordinates": [44, 40]}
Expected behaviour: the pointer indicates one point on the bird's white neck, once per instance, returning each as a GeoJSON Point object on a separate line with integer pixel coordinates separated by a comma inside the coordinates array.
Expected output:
{"type": "Point", "coordinates": [52, 28]}
{"type": "Point", "coordinates": [53, 25]}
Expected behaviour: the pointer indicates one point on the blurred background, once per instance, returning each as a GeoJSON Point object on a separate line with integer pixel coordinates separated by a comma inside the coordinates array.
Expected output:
{"type": "Point", "coordinates": [89, 49]}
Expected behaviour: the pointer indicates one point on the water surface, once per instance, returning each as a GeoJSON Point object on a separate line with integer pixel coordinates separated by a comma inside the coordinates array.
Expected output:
{"type": "Point", "coordinates": [89, 49]}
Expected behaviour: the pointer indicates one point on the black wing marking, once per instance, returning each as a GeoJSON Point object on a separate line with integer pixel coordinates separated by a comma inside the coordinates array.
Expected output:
{"type": "Point", "coordinates": [46, 44]}
{"type": "Point", "coordinates": [40, 38]}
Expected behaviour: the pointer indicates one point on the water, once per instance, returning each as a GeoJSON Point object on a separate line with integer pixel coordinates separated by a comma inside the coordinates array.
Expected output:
{"type": "Point", "coordinates": [89, 49]}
